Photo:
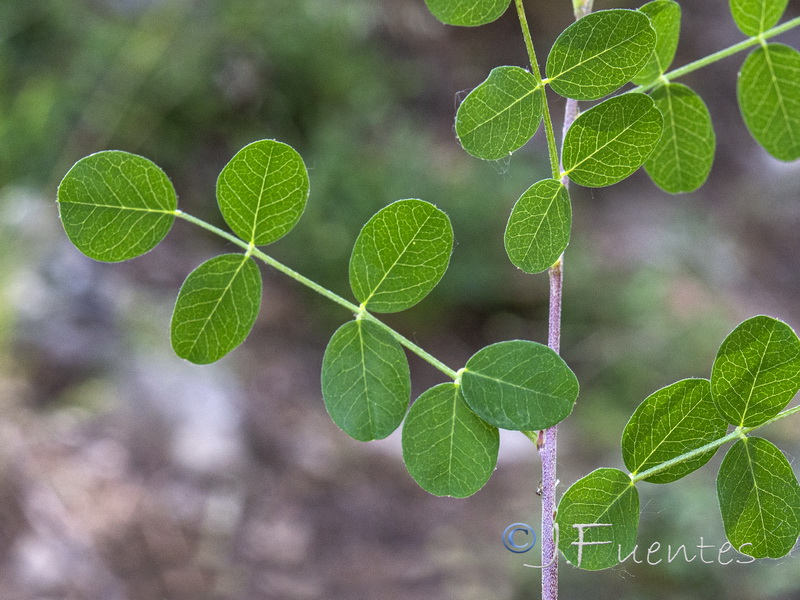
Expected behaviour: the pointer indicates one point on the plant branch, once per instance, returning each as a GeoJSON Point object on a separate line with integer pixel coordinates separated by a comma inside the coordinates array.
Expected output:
{"type": "Point", "coordinates": [548, 121]}
{"type": "Point", "coordinates": [736, 433]}
{"type": "Point", "coordinates": [548, 449]}
{"type": "Point", "coordinates": [717, 56]}
{"type": "Point", "coordinates": [581, 8]}
{"type": "Point", "coordinates": [332, 296]}
{"type": "Point", "coordinates": [548, 439]}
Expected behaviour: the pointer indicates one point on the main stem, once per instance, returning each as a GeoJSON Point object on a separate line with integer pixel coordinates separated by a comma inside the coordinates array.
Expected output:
{"type": "Point", "coordinates": [548, 449]}
{"type": "Point", "coordinates": [546, 442]}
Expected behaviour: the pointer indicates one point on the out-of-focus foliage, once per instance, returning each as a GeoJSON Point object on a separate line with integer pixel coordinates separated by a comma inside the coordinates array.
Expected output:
{"type": "Point", "coordinates": [186, 83]}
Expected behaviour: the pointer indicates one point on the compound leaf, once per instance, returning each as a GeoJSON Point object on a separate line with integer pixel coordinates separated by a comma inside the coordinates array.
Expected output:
{"type": "Point", "coordinates": [600, 53]}
{"type": "Point", "coordinates": [608, 142]}
{"type": "Point", "coordinates": [769, 99]}
{"type": "Point", "coordinates": [759, 499]}
{"type": "Point", "coordinates": [115, 205]}
{"type": "Point", "coordinates": [756, 16]}
{"type": "Point", "coordinates": [400, 255]}
{"type": "Point", "coordinates": [500, 115]}
{"type": "Point", "coordinates": [672, 421]}
{"type": "Point", "coordinates": [519, 385]}
{"type": "Point", "coordinates": [665, 18]}
{"type": "Point", "coordinates": [366, 382]}
{"type": "Point", "coordinates": [598, 517]}
{"type": "Point", "coordinates": [467, 13]}
{"type": "Point", "coordinates": [683, 157]}
{"type": "Point", "coordinates": [756, 372]}
{"type": "Point", "coordinates": [262, 191]}
{"type": "Point", "coordinates": [216, 308]}
{"type": "Point", "coordinates": [539, 226]}
{"type": "Point", "coordinates": [448, 449]}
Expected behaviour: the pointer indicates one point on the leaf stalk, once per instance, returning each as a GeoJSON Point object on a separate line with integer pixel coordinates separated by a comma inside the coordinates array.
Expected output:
{"type": "Point", "coordinates": [738, 433]}
{"type": "Point", "coordinates": [548, 121]}
{"type": "Point", "coordinates": [332, 296]}
{"type": "Point", "coordinates": [719, 55]}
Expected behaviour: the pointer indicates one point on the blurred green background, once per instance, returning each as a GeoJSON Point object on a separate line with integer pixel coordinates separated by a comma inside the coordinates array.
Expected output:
{"type": "Point", "coordinates": [127, 473]}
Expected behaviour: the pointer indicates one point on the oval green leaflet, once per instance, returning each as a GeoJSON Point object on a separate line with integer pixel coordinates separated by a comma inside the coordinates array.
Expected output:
{"type": "Point", "coordinates": [665, 18]}
{"type": "Point", "coordinates": [467, 13]}
{"type": "Point", "coordinates": [400, 255]}
{"type": "Point", "coordinates": [448, 449]}
{"type": "Point", "coordinates": [116, 205]}
{"type": "Point", "coordinates": [538, 229]}
{"type": "Point", "coordinates": [598, 517]}
{"type": "Point", "coordinates": [519, 385]}
{"type": "Point", "coordinates": [608, 142]}
{"type": "Point", "coordinates": [366, 383]}
{"type": "Point", "coordinates": [672, 421]}
{"type": "Point", "coordinates": [756, 372]}
{"type": "Point", "coordinates": [769, 99]}
{"type": "Point", "coordinates": [216, 308]}
{"type": "Point", "coordinates": [756, 16]}
{"type": "Point", "coordinates": [262, 191]}
{"type": "Point", "coordinates": [759, 499]}
{"type": "Point", "coordinates": [683, 157]}
{"type": "Point", "coordinates": [600, 53]}
{"type": "Point", "coordinates": [500, 115]}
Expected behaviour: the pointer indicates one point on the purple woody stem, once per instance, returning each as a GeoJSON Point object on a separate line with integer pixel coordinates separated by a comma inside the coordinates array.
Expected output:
{"type": "Point", "coordinates": [548, 445]}
{"type": "Point", "coordinates": [548, 452]}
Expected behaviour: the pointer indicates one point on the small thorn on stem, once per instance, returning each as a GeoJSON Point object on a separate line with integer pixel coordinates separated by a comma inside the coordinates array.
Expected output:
{"type": "Point", "coordinates": [540, 440]}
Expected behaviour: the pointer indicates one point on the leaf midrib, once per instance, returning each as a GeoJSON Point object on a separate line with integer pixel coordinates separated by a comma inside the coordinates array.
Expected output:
{"type": "Point", "coordinates": [364, 374]}
{"type": "Point", "coordinates": [260, 196]}
{"type": "Point", "coordinates": [778, 94]}
{"type": "Point", "coordinates": [755, 377]}
{"type": "Point", "coordinates": [541, 221]}
{"type": "Point", "coordinates": [609, 142]}
{"type": "Point", "coordinates": [756, 490]}
{"type": "Point", "coordinates": [211, 313]}
{"type": "Point", "coordinates": [513, 385]}
{"type": "Point", "coordinates": [664, 440]}
{"type": "Point", "coordinates": [506, 109]}
{"type": "Point", "coordinates": [595, 56]}
{"type": "Point", "coordinates": [400, 255]}
{"type": "Point", "coordinates": [130, 208]}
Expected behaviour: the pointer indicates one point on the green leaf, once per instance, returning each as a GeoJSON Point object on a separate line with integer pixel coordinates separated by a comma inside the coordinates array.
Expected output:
{"type": "Point", "coordinates": [605, 504]}
{"type": "Point", "coordinates": [500, 115]}
{"type": "Point", "coordinates": [756, 372]}
{"type": "Point", "coordinates": [611, 140]}
{"type": "Point", "coordinates": [519, 385]}
{"type": "Point", "coordinates": [216, 308]}
{"type": "Point", "coordinates": [539, 226]}
{"type": "Point", "coordinates": [262, 191]}
{"type": "Point", "coordinates": [600, 53]}
{"type": "Point", "coordinates": [756, 16]}
{"type": "Point", "coordinates": [665, 19]}
{"type": "Point", "coordinates": [759, 498]}
{"type": "Point", "coordinates": [400, 255]}
{"type": "Point", "coordinates": [674, 420]}
{"type": "Point", "coordinates": [448, 450]}
{"type": "Point", "coordinates": [115, 205]}
{"type": "Point", "coordinates": [467, 13]}
{"type": "Point", "coordinates": [683, 157]}
{"type": "Point", "coordinates": [769, 98]}
{"type": "Point", "coordinates": [366, 383]}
